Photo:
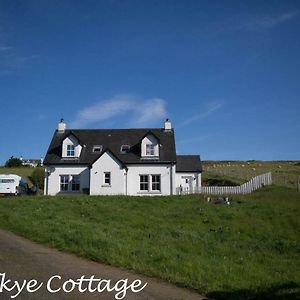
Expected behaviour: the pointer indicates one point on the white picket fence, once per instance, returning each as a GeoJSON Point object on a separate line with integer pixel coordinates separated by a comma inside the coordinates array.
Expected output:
{"type": "Point", "coordinates": [246, 188]}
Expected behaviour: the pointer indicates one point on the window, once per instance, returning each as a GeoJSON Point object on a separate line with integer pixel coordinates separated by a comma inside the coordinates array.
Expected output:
{"type": "Point", "coordinates": [97, 149]}
{"type": "Point", "coordinates": [125, 149]}
{"type": "Point", "coordinates": [150, 149]}
{"type": "Point", "coordinates": [64, 182]}
{"type": "Point", "coordinates": [70, 150]}
{"type": "Point", "coordinates": [7, 180]}
{"type": "Point", "coordinates": [75, 183]}
{"type": "Point", "coordinates": [155, 182]}
{"type": "Point", "coordinates": [144, 182]}
{"type": "Point", "coordinates": [150, 186]}
{"type": "Point", "coordinates": [107, 178]}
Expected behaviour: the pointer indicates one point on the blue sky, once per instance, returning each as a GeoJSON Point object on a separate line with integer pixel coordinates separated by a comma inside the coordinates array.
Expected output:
{"type": "Point", "coordinates": [227, 73]}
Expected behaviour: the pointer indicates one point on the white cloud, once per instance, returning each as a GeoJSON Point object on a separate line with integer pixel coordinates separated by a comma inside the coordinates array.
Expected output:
{"type": "Point", "coordinates": [210, 108]}
{"type": "Point", "coordinates": [5, 48]}
{"type": "Point", "coordinates": [152, 109]}
{"type": "Point", "coordinates": [267, 22]}
{"type": "Point", "coordinates": [140, 112]}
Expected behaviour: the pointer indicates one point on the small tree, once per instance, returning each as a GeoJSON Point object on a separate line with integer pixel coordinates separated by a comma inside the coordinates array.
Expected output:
{"type": "Point", "coordinates": [13, 162]}
{"type": "Point", "coordinates": [37, 177]}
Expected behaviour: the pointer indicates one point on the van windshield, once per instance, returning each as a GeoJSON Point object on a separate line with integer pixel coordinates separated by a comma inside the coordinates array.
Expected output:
{"type": "Point", "coordinates": [4, 180]}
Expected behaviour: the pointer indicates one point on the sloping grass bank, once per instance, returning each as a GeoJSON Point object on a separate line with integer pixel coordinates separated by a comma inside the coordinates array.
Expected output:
{"type": "Point", "coordinates": [248, 250]}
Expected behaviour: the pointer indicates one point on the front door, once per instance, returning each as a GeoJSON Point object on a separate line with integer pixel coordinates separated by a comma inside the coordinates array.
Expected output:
{"type": "Point", "coordinates": [186, 184]}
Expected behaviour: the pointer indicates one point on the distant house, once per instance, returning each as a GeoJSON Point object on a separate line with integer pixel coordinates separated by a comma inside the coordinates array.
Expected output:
{"type": "Point", "coordinates": [31, 162]}
{"type": "Point", "coordinates": [119, 162]}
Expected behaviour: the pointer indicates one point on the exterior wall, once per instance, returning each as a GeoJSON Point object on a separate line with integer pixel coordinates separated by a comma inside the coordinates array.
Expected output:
{"type": "Point", "coordinates": [52, 178]}
{"type": "Point", "coordinates": [122, 182]}
{"type": "Point", "coordinates": [193, 184]}
{"type": "Point", "coordinates": [173, 179]}
{"type": "Point", "coordinates": [149, 139]}
{"type": "Point", "coordinates": [71, 140]}
{"type": "Point", "coordinates": [133, 178]}
{"type": "Point", "coordinates": [107, 163]}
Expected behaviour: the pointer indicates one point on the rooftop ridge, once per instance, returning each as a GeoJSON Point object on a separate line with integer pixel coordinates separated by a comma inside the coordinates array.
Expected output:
{"type": "Point", "coordinates": [111, 129]}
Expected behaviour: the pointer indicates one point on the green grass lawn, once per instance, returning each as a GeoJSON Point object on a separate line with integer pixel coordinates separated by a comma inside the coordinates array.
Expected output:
{"type": "Point", "coordinates": [248, 250]}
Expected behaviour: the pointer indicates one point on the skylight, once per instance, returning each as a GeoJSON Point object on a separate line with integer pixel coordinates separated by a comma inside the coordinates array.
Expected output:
{"type": "Point", "coordinates": [125, 149]}
{"type": "Point", "coordinates": [97, 148]}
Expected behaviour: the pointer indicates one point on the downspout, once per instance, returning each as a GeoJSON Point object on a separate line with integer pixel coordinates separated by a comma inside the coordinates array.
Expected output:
{"type": "Point", "coordinates": [90, 179]}
{"type": "Point", "coordinates": [47, 180]}
{"type": "Point", "coordinates": [171, 179]}
{"type": "Point", "coordinates": [126, 171]}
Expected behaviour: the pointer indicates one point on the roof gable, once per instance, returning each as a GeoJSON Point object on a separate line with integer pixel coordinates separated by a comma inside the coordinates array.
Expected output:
{"type": "Point", "coordinates": [107, 151]}
{"type": "Point", "coordinates": [71, 135]}
{"type": "Point", "coordinates": [151, 134]}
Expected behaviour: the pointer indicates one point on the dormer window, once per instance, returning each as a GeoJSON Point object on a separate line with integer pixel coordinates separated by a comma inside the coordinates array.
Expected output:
{"type": "Point", "coordinates": [125, 149]}
{"type": "Point", "coordinates": [97, 149]}
{"type": "Point", "coordinates": [150, 149]}
{"type": "Point", "coordinates": [70, 150]}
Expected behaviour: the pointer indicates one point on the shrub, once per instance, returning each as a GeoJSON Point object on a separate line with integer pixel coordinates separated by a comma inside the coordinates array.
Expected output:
{"type": "Point", "coordinates": [37, 177]}
{"type": "Point", "coordinates": [218, 182]}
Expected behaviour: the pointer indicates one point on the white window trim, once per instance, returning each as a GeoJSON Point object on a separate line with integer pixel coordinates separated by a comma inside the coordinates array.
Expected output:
{"type": "Point", "coordinates": [156, 182]}
{"type": "Point", "coordinates": [150, 190]}
{"type": "Point", "coordinates": [104, 183]}
{"type": "Point", "coordinates": [153, 148]}
{"type": "Point", "coordinates": [67, 183]}
{"type": "Point", "coordinates": [96, 147]}
{"type": "Point", "coordinates": [71, 183]}
{"type": "Point", "coordinates": [69, 190]}
{"type": "Point", "coordinates": [71, 150]}
{"type": "Point", "coordinates": [144, 182]}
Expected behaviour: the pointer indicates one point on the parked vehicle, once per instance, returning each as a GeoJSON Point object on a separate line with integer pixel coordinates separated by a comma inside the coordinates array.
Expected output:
{"type": "Point", "coordinates": [11, 184]}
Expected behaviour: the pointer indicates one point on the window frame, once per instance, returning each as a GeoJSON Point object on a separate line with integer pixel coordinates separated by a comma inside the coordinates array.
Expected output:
{"type": "Point", "coordinates": [97, 147]}
{"type": "Point", "coordinates": [152, 150]}
{"type": "Point", "coordinates": [69, 151]}
{"type": "Point", "coordinates": [75, 186]}
{"type": "Point", "coordinates": [146, 183]}
{"type": "Point", "coordinates": [157, 183]}
{"type": "Point", "coordinates": [64, 183]}
{"type": "Point", "coordinates": [7, 180]}
{"type": "Point", "coordinates": [105, 178]}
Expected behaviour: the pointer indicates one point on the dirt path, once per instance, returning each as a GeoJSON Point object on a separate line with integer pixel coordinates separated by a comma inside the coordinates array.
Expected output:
{"type": "Point", "coordinates": [22, 259]}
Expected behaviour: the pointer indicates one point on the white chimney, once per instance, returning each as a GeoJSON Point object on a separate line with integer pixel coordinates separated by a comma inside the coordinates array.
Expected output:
{"type": "Point", "coordinates": [168, 125]}
{"type": "Point", "coordinates": [61, 126]}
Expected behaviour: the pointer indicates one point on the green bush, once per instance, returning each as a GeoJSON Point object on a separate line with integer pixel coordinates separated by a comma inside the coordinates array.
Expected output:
{"type": "Point", "coordinates": [37, 177]}
{"type": "Point", "coordinates": [219, 182]}
{"type": "Point", "coordinates": [13, 162]}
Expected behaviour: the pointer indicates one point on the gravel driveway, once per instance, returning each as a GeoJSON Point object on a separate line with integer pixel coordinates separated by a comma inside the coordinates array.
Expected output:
{"type": "Point", "coordinates": [21, 259]}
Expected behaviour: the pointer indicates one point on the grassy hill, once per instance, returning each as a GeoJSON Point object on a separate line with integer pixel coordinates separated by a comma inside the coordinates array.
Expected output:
{"type": "Point", "coordinates": [22, 171]}
{"type": "Point", "coordinates": [248, 250]}
{"type": "Point", "coordinates": [284, 173]}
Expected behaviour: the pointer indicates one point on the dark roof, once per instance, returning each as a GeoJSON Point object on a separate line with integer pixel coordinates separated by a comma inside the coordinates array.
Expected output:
{"type": "Point", "coordinates": [112, 140]}
{"type": "Point", "coordinates": [188, 163]}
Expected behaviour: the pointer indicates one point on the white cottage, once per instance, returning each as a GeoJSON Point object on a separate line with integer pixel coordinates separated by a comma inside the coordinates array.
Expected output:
{"type": "Point", "coordinates": [119, 162]}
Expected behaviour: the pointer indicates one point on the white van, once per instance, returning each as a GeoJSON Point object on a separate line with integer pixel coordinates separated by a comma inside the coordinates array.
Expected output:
{"type": "Point", "coordinates": [11, 184]}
